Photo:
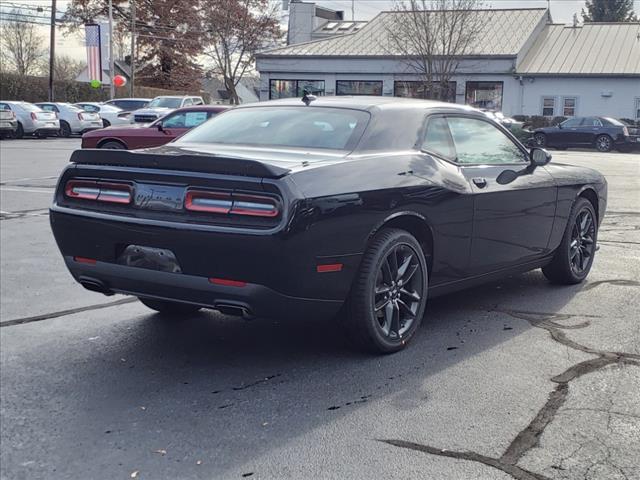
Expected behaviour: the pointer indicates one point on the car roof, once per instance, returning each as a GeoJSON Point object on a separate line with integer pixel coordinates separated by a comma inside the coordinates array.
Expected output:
{"type": "Point", "coordinates": [130, 99]}
{"type": "Point", "coordinates": [364, 102]}
{"type": "Point", "coordinates": [205, 108]}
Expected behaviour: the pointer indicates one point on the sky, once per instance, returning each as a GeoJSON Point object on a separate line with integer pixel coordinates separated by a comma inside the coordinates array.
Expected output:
{"type": "Point", "coordinates": [561, 12]}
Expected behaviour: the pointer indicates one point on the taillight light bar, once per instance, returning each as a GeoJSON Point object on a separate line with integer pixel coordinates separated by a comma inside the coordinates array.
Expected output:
{"type": "Point", "coordinates": [99, 191]}
{"type": "Point", "coordinates": [231, 203]}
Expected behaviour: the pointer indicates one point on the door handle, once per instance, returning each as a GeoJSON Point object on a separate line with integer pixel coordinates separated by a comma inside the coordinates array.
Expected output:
{"type": "Point", "coordinates": [480, 182]}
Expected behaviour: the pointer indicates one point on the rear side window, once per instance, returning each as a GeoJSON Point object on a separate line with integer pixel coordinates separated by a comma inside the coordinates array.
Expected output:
{"type": "Point", "coordinates": [301, 127]}
{"type": "Point", "coordinates": [437, 138]}
{"type": "Point", "coordinates": [479, 142]}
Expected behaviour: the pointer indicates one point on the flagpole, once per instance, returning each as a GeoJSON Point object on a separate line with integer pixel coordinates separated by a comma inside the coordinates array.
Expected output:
{"type": "Point", "coordinates": [111, 61]}
{"type": "Point", "coordinates": [52, 49]}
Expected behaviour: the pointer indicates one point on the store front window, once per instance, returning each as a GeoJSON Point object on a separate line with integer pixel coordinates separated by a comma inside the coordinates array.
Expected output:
{"type": "Point", "coordinates": [295, 88]}
{"type": "Point", "coordinates": [485, 95]}
{"type": "Point", "coordinates": [358, 87]}
{"type": "Point", "coordinates": [415, 89]}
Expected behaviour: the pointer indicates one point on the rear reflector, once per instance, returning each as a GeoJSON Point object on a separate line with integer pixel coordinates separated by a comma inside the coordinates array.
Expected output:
{"type": "Point", "coordinates": [88, 261]}
{"type": "Point", "coordinates": [233, 203]}
{"type": "Point", "coordinates": [227, 283]}
{"type": "Point", "coordinates": [100, 191]}
{"type": "Point", "coordinates": [331, 267]}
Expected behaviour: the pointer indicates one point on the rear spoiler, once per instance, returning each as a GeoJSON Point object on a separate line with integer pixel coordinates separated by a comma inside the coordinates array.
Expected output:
{"type": "Point", "coordinates": [204, 163]}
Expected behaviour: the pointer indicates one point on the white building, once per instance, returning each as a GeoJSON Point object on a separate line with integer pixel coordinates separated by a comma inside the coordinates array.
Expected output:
{"type": "Point", "coordinates": [520, 63]}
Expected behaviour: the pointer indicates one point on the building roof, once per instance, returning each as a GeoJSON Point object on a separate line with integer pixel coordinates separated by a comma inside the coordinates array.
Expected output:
{"type": "Point", "coordinates": [503, 32]}
{"type": "Point", "coordinates": [590, 49]}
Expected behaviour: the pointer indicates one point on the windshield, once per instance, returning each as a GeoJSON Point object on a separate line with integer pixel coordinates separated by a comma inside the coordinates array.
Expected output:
{"type": "Point", "coordinates": [613, 121]}
{"type": "Point", "coordinates": [301, 127]}
{"type": "Point", "coordinates": [165, 102]}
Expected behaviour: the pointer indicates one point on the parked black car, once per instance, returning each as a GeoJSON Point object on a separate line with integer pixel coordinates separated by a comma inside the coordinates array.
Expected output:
{"type": "Point", "coordinates": [362, 205]}
{"type": "Point", "coordinates": [603, 133]}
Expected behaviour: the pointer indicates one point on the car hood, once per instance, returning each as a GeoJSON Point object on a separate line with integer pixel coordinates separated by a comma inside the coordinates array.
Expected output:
{"type": "Point", "coordinates": [152, 111]}
{"type": "Point", "coordinates": [117, 130]}
{"type": "Point", "coordinates": [293, 159]}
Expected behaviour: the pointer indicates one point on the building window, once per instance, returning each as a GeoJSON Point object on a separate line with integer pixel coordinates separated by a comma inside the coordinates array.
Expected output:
{"type": "Point", "coordinates": [638, 108]}
{"type": "Point", "coordinates": [358, 87]}
{"type": "Point", "coordinates": [569, 106]}
{"type": "Point", "coordinates": [415, 89]}
{"type": "Point", "coordinates": [485, 95]}
{"type": "Point", "coordinates": [548, 106]}
{"type": "Point", "coordinates": [294, 88]}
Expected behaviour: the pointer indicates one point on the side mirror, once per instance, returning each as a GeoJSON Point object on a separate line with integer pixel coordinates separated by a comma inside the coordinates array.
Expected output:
{"type": "Point", "coordinates": [159, 127]}
{"type": "Point", "coordinates": [539, 157]}
{"type": "Point", "coordinates": [559, 126]}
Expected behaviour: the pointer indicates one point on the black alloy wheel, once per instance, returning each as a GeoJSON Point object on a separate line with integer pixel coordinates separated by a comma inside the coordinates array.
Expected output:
{"type": "Point", "coordinates": [582, 244]}
{"type": "Point", "coordinates": [604, 143]}
{"type": "Point", "coordinates": [574, 256]}
{"type": "Point", "coordinates": [389, 295]}
{"type": "Point", "coordinates": [540, 139]}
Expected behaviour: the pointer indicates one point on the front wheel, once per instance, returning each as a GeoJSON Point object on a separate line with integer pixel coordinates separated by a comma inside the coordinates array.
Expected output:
{"type": "Point", "coordinates": [389, 294]}
{"type": "Point", "coordinates": [572, 260]}
{"type": "Point", "coordinates": [540, 140]}
{"type": "Point", "coordinates": [19, 133]}
{"type": "Point", "coordinates": [65, 130]}
{"type": "Point", "coordinates": [112, 145]}
{"type": "Point", "coordinates": [169, 308]}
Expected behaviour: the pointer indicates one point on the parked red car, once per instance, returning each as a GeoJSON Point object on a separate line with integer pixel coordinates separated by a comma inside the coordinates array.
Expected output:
{"type": "Point", "coordinates": [153, 134]}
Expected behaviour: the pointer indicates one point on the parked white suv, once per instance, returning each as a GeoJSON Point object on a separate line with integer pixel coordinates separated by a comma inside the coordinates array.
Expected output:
{"type": "Point", "coordinates": [72, 119]}
{"type": "Point", "coordinates": [32, 120]}
{"type": "Point", "coordinates": [161, 106]}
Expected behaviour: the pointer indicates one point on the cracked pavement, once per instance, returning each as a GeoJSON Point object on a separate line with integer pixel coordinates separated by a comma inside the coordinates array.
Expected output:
{"type": "Point", "coordinates": [515, 379]}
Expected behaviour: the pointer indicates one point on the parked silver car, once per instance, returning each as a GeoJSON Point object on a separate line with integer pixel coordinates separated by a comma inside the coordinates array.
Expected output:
{"type": "Point", "coordinates": [8, 122]}
{"type": "Point", "coordinates": [161, 106]}
{"type": "Point", "coordinates": [72, 119]}
{"type": "Point", "coordinates": [32, 120]}
{"type": "Point", "coordinates": [129, 104]}
{"type": "Point", "coordinates": [110, 114]}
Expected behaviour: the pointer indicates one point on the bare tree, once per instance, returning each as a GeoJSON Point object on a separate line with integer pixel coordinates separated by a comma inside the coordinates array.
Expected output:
{"type": "Point", "coordinates": [22, 45]}
{"type": "Point", "coordinates": [67, 68]}
{"type": "Point", "coordinates": [235, 31]}
{"type": "Point", "coordinates": [432, 37]}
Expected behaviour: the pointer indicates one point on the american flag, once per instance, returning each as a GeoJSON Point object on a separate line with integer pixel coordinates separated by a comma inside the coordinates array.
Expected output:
{"type": "Point", "coordinates": [94, 62]}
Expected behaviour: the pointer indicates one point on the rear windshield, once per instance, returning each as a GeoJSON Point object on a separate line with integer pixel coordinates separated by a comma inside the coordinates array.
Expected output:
{"type": "Point", "coordinates": [300, 127]}
{"type": "Point", "coordinates": [613, 121]}
{"type": "Point", "coordinates": [166, 102]}
{"type": "Point", "coordinates": [29, 107]}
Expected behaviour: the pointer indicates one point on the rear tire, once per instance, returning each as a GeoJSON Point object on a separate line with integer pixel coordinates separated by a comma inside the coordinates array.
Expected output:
{"type": "Point", "coordinates": [389, 295]}
{"type": "Point", "coordinates": [65, 129]}
{"type": "Point", "coordinates": [573, 258]}
{"type": "Point", "coordinates": [604, 143]}
{"type": "Point", "coordinates": [113, 145]}
{"type": "Point", "coordinates": [169, 308]}
{"type": "Point", "coordinates": [19, 133]}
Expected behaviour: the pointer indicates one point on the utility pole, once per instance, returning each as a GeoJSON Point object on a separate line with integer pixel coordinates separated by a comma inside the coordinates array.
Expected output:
{"type": "Point", "coordinates": [132, 62]}
{"type": "Point", "coordinates": [112, 88]}
{"type": "Point", "coordinates": [52, 49]}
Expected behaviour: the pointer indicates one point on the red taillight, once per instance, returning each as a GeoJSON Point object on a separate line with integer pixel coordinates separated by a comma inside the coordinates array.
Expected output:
{"type": "Point", "coordinates": [233, 203]}
{"type": "Point", "coordinates": [100, 191]}
{"type": "Point", "coordinates": [34, 116]}
{"type": "Point", "coordinates": [85, 260]}
{"type": "Point", "coordinates": [331, 267]}
{"type": "Point", "coordinates": [227, 283]}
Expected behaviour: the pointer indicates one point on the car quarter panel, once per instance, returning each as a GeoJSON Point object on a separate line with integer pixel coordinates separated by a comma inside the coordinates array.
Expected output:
{"type": "Point", "coordinates": [351, 200]}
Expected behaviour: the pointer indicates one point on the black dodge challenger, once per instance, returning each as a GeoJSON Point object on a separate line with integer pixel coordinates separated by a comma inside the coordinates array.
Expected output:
{"type": "Point", "coordinates": [363, 206]}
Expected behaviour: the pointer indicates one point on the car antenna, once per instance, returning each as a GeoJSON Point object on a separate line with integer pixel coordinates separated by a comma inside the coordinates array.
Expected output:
{"type": "Point", "coordinates": [308, 98]}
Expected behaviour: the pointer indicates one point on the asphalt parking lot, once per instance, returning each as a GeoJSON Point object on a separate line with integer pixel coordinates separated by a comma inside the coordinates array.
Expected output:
{"type": "Point", "coordinates": [516, 379]}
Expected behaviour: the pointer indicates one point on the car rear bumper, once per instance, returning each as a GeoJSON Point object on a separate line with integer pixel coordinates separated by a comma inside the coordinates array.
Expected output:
{"type": "Point", "coordinates": [278, 274]}
{"type": "Point", "coordinates": [247, 300]}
